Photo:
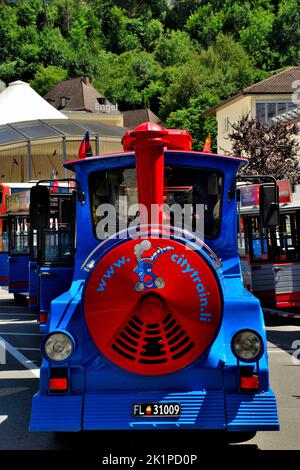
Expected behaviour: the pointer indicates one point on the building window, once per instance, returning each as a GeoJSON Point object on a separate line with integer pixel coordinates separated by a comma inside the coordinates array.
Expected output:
{"type": "Point", "coordinates": [226, 125]}
{"type": "Point", "coordinates": [267, 110]}
{"type": "Point", "coordinates": [63, 102]}
{"type": "Point", "coordinates": [101, 100]}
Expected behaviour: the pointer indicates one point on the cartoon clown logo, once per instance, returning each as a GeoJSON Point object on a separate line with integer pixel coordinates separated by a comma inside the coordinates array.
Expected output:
{"type": "Point", "coordinates": [144, 268]}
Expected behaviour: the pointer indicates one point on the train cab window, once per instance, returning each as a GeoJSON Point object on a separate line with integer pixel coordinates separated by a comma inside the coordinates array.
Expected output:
{"type": "Point", "coordinates": [112, 188]}
{"type": "Point", "coordinates": [271, 245]}
{"type": "Point", "coordinates": [58, 246]}
{"type": "Point", "coordinates": [56, 243]}
{"type": "Point", "coordinates": [183, 185]}
{"type": "Point", "coordinates": [196, 187]}
{"type": "Point", "coordinates": [4, 235]}
{"type": "Point", "coordinates": [19, 235]}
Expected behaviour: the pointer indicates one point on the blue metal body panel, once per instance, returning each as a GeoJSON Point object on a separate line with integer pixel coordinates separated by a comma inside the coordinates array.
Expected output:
{"type": "Point", "coordinates": [52, 281]}
{"type": "Point", "coordinates": [18, 274]}
{"type": "Point", "coordinates": [208, 389]}
{"type": "Point", "coordinates": [200, 409]}
{"type": "Point", "coordinates": [3, 269]}
{"type": "Point", "coordinates": [251, 412]}
{"type": "Point", "coordinates": [112, 410]}
{"type": "Point", "coordinates": [33, 286]}
{"type": "Point", "coordinates": [59, 413]}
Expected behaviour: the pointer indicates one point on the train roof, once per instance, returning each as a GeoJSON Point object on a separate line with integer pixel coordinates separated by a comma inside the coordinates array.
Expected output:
{"type": "Point", "coordinates": [205, 156]}
{"type": "Point", "coordinates": [176, 140]}
{"type": "Point", "coordinates": [20, 185]}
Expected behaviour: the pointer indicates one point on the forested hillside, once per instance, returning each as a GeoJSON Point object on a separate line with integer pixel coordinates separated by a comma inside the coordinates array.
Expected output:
{"type": "Point", "coordinates": [177, 57]}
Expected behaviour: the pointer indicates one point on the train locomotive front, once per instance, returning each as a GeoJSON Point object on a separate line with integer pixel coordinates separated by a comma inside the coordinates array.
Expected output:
{"type": "Point", "coordinates": [156, 330]}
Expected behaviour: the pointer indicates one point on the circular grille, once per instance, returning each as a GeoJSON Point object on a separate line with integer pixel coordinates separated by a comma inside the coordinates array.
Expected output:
{"type": "Point", "coordinates": [152, 306]}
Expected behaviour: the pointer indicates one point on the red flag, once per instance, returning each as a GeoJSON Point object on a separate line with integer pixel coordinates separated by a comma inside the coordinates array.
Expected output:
{"type": "Point", "coordinates": [85, 149]}
{"type": "Point", "coordinates": [207, 145]}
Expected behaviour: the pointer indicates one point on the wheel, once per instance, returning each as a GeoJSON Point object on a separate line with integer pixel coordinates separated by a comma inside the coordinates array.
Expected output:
{"type": "Point", "coordinates": [236, 437]}
{"type": "Point", "coordinates": [20, 299]}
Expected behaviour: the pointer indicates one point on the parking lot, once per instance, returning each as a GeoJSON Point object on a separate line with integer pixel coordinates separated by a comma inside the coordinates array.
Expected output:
{"type": "Point", "coordinates": [19, 381]}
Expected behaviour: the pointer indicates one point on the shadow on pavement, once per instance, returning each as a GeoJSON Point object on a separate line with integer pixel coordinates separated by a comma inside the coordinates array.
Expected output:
{"type": "Point", "coordinates": [143, 442]}
{"type": "Point", "coordinates": [284, 339]}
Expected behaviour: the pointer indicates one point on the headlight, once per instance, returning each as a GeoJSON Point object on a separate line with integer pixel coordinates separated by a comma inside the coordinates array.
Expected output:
{"type": "Point", "coordinates": [247, 345]}
{"type": "Point", "coordinates": [58, 346]}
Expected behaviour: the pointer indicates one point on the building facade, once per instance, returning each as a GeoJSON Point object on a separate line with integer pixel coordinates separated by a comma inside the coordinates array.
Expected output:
{"type": "Point", "coordinates": [276, 96]}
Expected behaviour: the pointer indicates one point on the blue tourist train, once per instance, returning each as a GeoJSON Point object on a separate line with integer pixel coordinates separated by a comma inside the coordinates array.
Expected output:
{"type": "Point", "coordinates": [156, 330]}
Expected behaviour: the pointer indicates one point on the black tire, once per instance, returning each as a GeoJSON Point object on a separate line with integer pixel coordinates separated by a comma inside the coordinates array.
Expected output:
{"type": "Point", "coordinates": [20, 299]}
{"type": "Point", "coordinates": [236, 437]}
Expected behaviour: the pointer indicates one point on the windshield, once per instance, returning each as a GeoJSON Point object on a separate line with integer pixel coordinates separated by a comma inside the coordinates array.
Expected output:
{"type": "Point", "coordinates": [113, 199]}
{"type": "Point", "coordinates": [56, 243]}
{"type": "Point", "coordinates": [19, 235]}
{"type": "Point", "coordinates": [271, 245]}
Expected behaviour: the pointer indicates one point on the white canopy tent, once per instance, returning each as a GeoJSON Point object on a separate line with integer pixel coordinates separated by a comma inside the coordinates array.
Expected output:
{"type": "Point", "coordinates": [19, 102]}
{"type": "Point", "coordinates": [36, 138]}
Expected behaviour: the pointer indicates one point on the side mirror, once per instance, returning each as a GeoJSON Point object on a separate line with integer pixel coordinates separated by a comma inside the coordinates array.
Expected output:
{"type": "Point", "coordinates": [39, 207]}
{"type": "Point", "coordinates": [269, 205]}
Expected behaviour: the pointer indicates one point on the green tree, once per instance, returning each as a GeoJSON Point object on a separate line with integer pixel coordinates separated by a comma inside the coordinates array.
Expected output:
{"type": "Point", "coordinates": [191, 118]}
{"type": "Point", "coordinates": [29, 51]}
{"type": "Point", "coordinates": [182, 87]}
{"type": "Point", "coordinates": [2, 86]}
{"type": "Point", "coordinates": [286, 36]}
{"type": "Point", "coordinates": [29, 11]}
{"type": "Point", "coordinates": [153, 31]}
{"type": "Point", "coordinates": [128, 77]}
{"type": "Point", "coordinates": [228, 67]}
{"type": "Point", "coordinates": [221, 70]}
{"type": "Point", "coordinates": [175, 47]}
{"type": "Point", "coordinates": [9, 33]}
{"type": "Point", "coordinates": [55, 49]}
{"type": "Point", "coordinates": [46, 78]}
{"type": "Point", "coordinates": [205, 24]}
{"type": "Point", "coordinates": [256, 38]}
{"type": "Point", "coordinates": [116, 29]}
{"type": "Point", "coordinates": [179, 11]}
{"type": "Point", "coordinates": [140, 8]}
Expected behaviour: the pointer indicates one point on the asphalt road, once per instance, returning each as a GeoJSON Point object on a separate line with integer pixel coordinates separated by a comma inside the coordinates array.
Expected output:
{"type": "Point", "coordinates": [19, 381]}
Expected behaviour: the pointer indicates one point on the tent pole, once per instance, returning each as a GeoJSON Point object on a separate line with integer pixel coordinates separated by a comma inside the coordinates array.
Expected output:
{"type": "Point", "coordinates": [29, 175]}
{"type": "Point", "coordinates": [97, 145]}
{"type": "Point", "coordinates": [64, 150]}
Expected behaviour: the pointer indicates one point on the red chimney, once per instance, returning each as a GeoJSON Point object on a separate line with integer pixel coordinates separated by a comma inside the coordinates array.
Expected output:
{"type": "Point", "coordinates": [148, 140]}
{"type": "Point", "coordinates": [86, 80]}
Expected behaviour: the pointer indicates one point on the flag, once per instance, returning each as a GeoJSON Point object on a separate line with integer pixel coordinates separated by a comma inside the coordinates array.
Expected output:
{"type": "Point", "coordinates": [85, 149]}
{"type": "Point", "coordinates": [207, 145]}
{"type": "Point", "coordinates": [53, 182]}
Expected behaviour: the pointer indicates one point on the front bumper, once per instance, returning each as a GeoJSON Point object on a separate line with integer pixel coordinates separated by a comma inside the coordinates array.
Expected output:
{"type": "Point", "coordinates": [210, 409]}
